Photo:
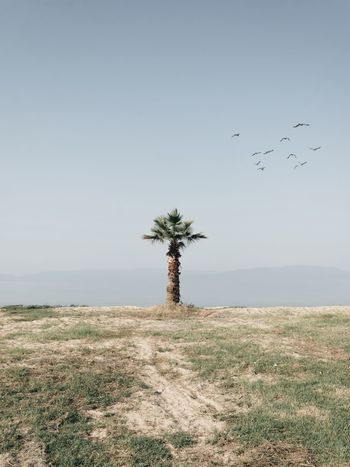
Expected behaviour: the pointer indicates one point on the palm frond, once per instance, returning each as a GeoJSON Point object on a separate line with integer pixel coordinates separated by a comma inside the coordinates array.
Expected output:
{"type": "Point", "coordinates": [195, 237]}
{"type": "Point", "coordinates": [154, 238]}
{"type": "Point", "coordinates": [161, 224]}
{"type": "Point", "coordinates": [187, 224]}
{"type": "Point", "coordinates": [186, 228]}
{"type": "Point", "coordinates": [174, 217]}
{"type": "Point", "coordinates": [158, 233]}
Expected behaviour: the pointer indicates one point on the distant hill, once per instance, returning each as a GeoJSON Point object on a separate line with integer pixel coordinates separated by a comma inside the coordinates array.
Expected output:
{"type": "Point", "coordinates": [290, 285]}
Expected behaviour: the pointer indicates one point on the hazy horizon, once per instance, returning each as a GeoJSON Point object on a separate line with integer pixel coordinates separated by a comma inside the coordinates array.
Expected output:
{"type": "Point", "coordinates": [163, 267]}
{"type": "Point", "coordinates": [283, 286]}
{"type": "Point", "coordinates": [116, 112]}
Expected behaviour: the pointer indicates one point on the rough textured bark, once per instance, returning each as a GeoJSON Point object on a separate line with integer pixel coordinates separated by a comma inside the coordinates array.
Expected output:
{"type": "Point", "coordinates": [173, 287]}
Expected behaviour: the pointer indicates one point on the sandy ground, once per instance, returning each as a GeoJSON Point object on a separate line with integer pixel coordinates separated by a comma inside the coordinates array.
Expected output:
{"type": "Point", "coordinates": [176, 399]}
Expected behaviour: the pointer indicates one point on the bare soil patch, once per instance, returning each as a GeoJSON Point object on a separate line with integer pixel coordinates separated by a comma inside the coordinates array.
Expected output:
{"type": "Point", "coordinates": [177, 400]}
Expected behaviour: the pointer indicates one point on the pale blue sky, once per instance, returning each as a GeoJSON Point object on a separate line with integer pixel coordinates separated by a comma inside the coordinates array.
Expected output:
{"type": "Point", "coordinates": [113, 112]}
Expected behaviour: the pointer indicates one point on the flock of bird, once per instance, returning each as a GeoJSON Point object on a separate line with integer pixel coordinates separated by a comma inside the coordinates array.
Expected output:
{"type": "Point", "coordinates": [298, 164]}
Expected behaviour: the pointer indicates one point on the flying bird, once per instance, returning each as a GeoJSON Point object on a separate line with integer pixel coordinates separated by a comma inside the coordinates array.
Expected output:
{"type": "Point", "coordinates": [285, 138]}
{"type": "Point", "coordinates": [257, 163]}
{"type": "Point", "coordinates": [315, 149]}
{"type": "Point", "coordinates": [235, 134]}
{"type": "Point", "coordinates": [301, 124]}
{"type": "Point", "coordinates": [291, 155]}
{"type": "Point", "coordinates": [300, 165]}
{"type": "Point", "coordinates": [255, 154]}
{"type": "Point", "coordinates": [261, 168]}
{"type": "Point", "coordinates": [268, 152]}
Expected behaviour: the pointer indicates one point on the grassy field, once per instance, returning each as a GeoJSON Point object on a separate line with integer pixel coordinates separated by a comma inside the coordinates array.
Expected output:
{"type": "Point", "coordinates": [116, 386]}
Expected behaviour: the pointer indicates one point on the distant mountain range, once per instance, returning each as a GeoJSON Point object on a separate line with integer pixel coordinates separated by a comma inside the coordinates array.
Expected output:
{"type": "Point", "coordinates": [290, 285]}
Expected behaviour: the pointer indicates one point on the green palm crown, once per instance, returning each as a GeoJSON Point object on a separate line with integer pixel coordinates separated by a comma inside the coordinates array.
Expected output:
{"type": "Point", "coordinates": [171, 228]}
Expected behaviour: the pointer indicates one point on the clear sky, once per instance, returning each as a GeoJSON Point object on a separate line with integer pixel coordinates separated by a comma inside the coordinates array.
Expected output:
{"type": "Point", "coordinates": [113, 112]}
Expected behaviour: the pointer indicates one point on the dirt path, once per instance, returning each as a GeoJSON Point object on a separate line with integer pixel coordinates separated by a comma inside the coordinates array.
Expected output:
{"type": "Point", "coordinates": [176, 400]}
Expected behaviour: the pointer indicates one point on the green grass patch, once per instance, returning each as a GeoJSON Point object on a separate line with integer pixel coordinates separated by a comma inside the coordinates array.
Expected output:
{"type": "Point", "coordinates": [297, 407]}
{"type": "Point", "coordinates": [181, 439]}
{"type": "Point", "coordinates": [148, 451]}
{"type": "Point", "coordinates": [82, 331]}
{"type": "Point", "coordinates": [16, 308]}
{"type": "Point", "coordinates": [29, 313]}
{"type": "Point", "coordinates": [214, 352]}
{"type": "Point", "coordinates": [328, 441]}
{"type": "Point", "coordinates": [13, 354]}
{"type": "Point", "coordinates": [330, 329]}
{"type": "Point", "coordinates": [49, 402]}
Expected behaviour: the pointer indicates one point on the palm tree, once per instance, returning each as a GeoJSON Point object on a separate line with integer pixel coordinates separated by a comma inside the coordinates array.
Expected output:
{"type": "Point", "coordinates": [178, 234]}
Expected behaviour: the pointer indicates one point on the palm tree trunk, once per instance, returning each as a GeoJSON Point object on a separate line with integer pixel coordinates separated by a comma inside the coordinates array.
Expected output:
{"type": "Point", "coordinates": [173, 288]}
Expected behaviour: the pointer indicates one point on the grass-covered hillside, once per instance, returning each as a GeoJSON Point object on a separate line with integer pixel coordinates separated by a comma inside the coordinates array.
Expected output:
{"type": "Point", "coordinates": [120, 386]}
